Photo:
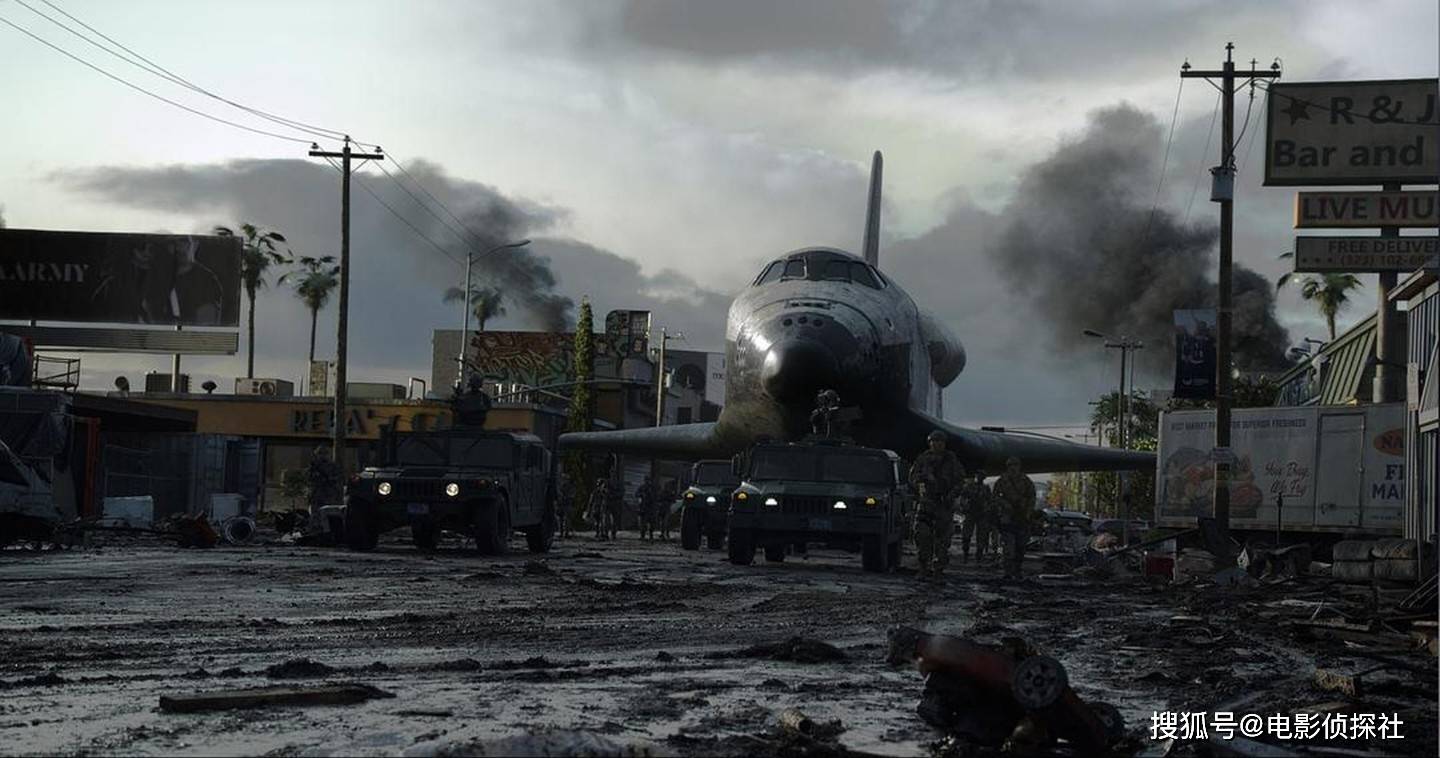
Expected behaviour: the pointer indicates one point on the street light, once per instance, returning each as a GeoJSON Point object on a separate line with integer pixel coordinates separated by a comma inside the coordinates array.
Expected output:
{"type": "Point", "coordinates": [1122, 402]}
{"type": "Point", "coordinates": [465, 303]}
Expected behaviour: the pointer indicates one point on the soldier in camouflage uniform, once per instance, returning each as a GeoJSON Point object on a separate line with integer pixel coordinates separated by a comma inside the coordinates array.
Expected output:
{"type": "Point", "coordinates": [975, 507]}
{"type": "Point", "coordinates": [645, 509]}
{"type": "Point", "coordinates": [1015, 496]}
{"type": "Point", "coordinates": [322, 479]}
{"type": "Point", "coordinates": [934, 475]}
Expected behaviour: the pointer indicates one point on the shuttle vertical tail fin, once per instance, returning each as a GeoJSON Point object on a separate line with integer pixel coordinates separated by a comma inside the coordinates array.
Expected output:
{"type": "Point", "coordinates": [872, 213]}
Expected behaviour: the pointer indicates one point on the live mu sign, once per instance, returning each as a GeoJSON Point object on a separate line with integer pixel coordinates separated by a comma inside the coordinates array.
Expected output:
{"type": "Point", "coordinates": [1321, 210]}
{"type": "Point", "coordinates": [1366, 132]}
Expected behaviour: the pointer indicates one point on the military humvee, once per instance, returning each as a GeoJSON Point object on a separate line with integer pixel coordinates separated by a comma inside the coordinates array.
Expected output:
{"type": "Point", "coordinates": [822, 491]}
{"type": "Point", "coordinates": [705, 502]}
{"type": "Point", "coordinates": [464, 479]}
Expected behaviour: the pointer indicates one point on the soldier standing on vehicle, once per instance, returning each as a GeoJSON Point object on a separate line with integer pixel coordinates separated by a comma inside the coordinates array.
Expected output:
{"type": "Point", "coordinates": [975, 508]}
{"type": "Point", "coordinates": [934, 475]}
{"type": "Point", "coordinates": [1015, 497]}
{"type": "Point", "coordinates": [598, 508]}
{"type": "Point", "coordinates": [322, 479]}
{"type": "Point", "coordinates": [645, 508]}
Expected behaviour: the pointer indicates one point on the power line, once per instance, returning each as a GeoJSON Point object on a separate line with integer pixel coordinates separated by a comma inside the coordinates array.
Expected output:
{"type": "Point", "coordinates": [142, 90]}
{"type": "Point", "coordinates": [418, 232]}
{"type": "Point", "coordinates": [1195, 190]}
{"type": "Point", "coordinates": [1264, 103]}
{"type": "Point", "coordinates": [1165, 163]}
{"type": "Point", "coordinates": [156, 69]}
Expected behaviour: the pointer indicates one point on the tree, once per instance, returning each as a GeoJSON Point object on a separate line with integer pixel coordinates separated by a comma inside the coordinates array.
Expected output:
{"type": "Point", "coordinates": [313, 286]}
{"type": "Point", "coordinates": [485, 303]}
{"type": "Point", "coordinates": [257, 255]}
{"type": "Point", "coordinates": [1143, 419]}
{"type": "Point", "coordinates": [582, 408]}
{"type": "Point", "coordinates": [1329, 292]}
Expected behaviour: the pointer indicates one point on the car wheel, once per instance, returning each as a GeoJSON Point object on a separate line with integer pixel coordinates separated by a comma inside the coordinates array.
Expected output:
{"type": "Point", "coordinates": [690, 529]}
{"type": "Point", "coordinates": [425, 535]}
{"type": "Point", "coordinates": [742, 548]}
{"type": "Point", "coordinates": [873, 555]}
{"type": "Point", "coordinates": [539, 538]}
{"type": "Point", "coordinates": [360, 533]}
{"type": "Point", "coordinates": [492, 526]}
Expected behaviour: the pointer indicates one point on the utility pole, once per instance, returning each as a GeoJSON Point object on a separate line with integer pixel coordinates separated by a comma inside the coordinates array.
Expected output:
{"type": "Point", "coordinates": [341, 339]}
{"type": "Point", "coordinates": [1223, 192]}
{"type": "Point", "coordinates": [665, 337]}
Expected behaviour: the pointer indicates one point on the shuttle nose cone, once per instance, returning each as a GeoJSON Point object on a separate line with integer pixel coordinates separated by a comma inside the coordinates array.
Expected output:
{"type": "Point", "coordinates": [797, 369]}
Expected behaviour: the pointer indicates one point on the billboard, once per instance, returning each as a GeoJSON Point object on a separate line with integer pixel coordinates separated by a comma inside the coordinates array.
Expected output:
{"type": "Point", "coordinates": [171, 279]}
{"type": "Point", "coordinates": [1364, 254]}
{"type": "Point", "coordinates": [1195, 354]}
{"type": "Point", "coordinates": [1363, 132]}
{"type": "Point", "coordinates": [1326, 210]}
{"type": "Point", "coordinates": [628, 332]}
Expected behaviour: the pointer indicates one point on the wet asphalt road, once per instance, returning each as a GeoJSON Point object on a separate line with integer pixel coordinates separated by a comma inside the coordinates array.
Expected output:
{"type": "Point", "coordinates": [632, 641]}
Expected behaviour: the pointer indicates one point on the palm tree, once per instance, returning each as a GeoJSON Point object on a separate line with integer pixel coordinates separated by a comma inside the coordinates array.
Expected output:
{"type": "Point", "coordinates": [485, 302]}
{"type": "Point", "coordinates": [313, 286]}
{"type": "Point", "coordinates": [257, 253]}
{"type": "Point", "coordinates": [1330, 292]}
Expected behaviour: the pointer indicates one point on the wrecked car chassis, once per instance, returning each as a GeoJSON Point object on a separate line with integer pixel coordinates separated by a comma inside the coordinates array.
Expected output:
{"type": "Point", "coordinates": [989, 695]}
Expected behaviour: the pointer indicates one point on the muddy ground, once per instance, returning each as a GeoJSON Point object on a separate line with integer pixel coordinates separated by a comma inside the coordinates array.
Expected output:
{"type": "Point", "coordinates": [634, 643]}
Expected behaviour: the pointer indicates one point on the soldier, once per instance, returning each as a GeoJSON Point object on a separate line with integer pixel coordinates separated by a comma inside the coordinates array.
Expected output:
{"type": "Point", "coordinates": [565, 504]}
{"type": "Point", "coordinates": [645, 508]}
{"type": "Point", "coordinates": [597, 507]}
{"type": "Point", "coordinates": [615, 504]}
{"type": "Point", "coordinates": [934, 475]}
{"type": "Point", "coordinates": [322, 479]}
{"type": "Point", "coordinates": [975, 507]}
{"type": "Point", "coordinates": [666, 507]}
{"type": "Point", "coordinates": [1015, 497]}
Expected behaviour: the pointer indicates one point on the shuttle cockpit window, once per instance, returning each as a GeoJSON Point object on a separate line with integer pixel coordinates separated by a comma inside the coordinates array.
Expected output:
{"type": "Point", "coordinates": [862, 274]}
{"type": "Point", "coordinates": [836, 270]}
{"type": "Point", "coordinates": [771, 273]}
{"type": "Point", "coordinates": [795, 268]}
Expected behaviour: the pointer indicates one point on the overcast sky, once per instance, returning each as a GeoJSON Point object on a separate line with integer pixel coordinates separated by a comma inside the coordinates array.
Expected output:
{"type": "Point", "coordinates": [660, 152]}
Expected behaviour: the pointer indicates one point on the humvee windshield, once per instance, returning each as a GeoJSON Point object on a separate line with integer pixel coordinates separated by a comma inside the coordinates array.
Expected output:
{"type": "Point", "coordinates": [443, 450]}
{"type": "Point", "coordinates": [708, 474]}
{"type": "Point", "coordinates": [811, 465]}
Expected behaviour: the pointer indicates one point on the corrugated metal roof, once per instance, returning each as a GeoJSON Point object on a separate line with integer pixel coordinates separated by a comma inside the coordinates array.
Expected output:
{"type": "Point", "coordinates": [1347, 370]}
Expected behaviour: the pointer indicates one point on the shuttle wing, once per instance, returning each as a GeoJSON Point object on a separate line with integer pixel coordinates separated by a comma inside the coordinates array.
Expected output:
{"type": "Point", "coordinates": [1037, 454]}
{"type": "Point", "coordinates": [684, 441]}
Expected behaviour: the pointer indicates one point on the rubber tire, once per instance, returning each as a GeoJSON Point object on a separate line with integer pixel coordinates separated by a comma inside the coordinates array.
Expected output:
{"type": "Point", "coordinates": [742, 548]}
{"type": "Point", "coordinates": [539, 538]}
{"type": "Point", "coordinates": [873, 555]}
{"type": "Point", "coordinates": [426, 537]}
{"type": "Point", "coordinates": [492, 527]}
{"type": "Point", "coordinates": [360, 534]}
{"type": "Point", "coordinates": [892, 555]}
{"type": "Point", "coordinates": [775, 553]}
{"type": "Point", "coordinates": [715, 540]}
{"type": "Point", "coordinates": [690, 529]}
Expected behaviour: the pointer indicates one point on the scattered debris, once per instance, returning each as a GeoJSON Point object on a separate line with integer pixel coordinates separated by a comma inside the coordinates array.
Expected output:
{"type": "Point", "coordinates": [425, 713]}
{"type": "Point", "coordinates": [298, 668]}
{"type": "Point", "coordinates": [664, 657]}
{"type": "Point", "coordinates": [792, 650]}
{"type": "Point", "coordinates": [549, 742]}
{"type": "Point", "coordinates": [793, 723]}
{"type": "Point", "coordinates": [223, 700]}
{"type": "Point", "coordinates": [538, 568]}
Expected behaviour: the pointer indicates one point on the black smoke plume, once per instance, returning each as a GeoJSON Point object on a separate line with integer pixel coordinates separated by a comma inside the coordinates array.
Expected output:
{"type": "Point", "coordinates": [1082, 246]}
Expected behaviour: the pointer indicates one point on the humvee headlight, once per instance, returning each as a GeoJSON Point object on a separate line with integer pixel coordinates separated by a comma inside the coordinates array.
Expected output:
{"type": "Point", "coordinates": [452, 489]}
{"type": "Point", "coordinates": [689, 496]}
{"type": "Point", "coordinates": [710, 500]}
{"type": "Point", "coordinates": [771, 501]}
{"type": "Point", "coordinates": [840, 505]}
{"type": "Point", "coordinates": [869, 501]}
{"type": "Point", "coordinates": [742, 496]}
{"type": "Point", "coordinates": [384, 488]}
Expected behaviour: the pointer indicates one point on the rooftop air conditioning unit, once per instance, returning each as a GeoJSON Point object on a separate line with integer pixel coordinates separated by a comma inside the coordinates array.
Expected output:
{"type": "Point", "coordinates": [265, 387]}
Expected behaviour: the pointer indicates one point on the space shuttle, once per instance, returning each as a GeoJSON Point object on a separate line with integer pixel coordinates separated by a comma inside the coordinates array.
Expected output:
{"type": "Point", "coordinates": [819, 318]}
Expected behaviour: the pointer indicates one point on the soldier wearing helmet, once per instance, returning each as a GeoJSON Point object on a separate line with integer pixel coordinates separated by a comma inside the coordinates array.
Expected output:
{"type": "Point", "coordinates": [934, 475]}
{"type": "Point", "coordinates": [1015, 496]}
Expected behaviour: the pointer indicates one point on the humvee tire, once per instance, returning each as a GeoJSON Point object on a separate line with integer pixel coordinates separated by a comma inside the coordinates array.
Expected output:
{"type": "Point", "coordinates": [425, 536]}
{"type": "Point", "coordinates": [539, 537]}
{"type": "Point", "coordinates": [774, 553]}
{"type": "Point", "coordinates": [873, 555]}
{"type": "Point", "coordinates": [892, 555]}
{"type": "Point", "coordinates": [360, 534]}
{"type": "Point", "coordinates": [492, 527]}
{"type": "Point", "coordinates": [689, 529]}
{"type": "Point", "coordinates": [742, 548]}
